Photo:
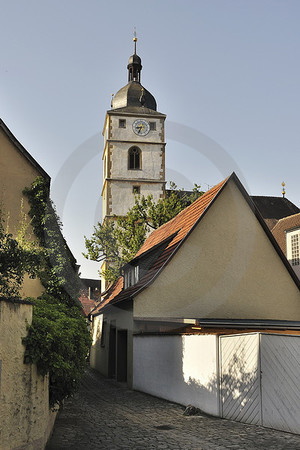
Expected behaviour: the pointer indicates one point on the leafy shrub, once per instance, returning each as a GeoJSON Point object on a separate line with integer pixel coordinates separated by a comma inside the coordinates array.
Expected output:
{"type": "Point", "coordinates": [58, 343]}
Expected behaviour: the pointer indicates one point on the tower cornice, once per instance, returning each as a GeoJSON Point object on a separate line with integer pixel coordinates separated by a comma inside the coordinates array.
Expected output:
{"type": "Point", "coordinates": [139, 142]}
{"type": "Point", "coordinates": [139, 112]}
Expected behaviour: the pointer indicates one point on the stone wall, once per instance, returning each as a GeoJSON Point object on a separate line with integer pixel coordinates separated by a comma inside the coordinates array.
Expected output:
{"type": "Point", "coordinates": [26, 421]}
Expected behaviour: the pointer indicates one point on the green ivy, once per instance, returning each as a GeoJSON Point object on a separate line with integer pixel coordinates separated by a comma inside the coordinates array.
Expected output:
{"type": "Point", "coordinates": [59, 276]}
{"type": "Point", "coordinates": [16, 259]}
{"type": "Point", "coordinates": [58, 339]}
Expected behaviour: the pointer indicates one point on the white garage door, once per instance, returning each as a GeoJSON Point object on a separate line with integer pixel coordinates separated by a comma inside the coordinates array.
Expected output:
{"type": "Point", "coordinates": [240, 378]}
{"type": "Point", "coordinates": [280, 365]}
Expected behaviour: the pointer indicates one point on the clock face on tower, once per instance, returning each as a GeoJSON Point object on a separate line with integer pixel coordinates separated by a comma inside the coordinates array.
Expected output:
{"type": "Point", "coordinates": [141, 127]}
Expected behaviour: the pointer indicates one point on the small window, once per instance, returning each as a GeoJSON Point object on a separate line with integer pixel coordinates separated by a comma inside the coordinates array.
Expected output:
{"type": "Point", "coordinates": [136, 190]}
{"type": "Point", "coordinates": [136, 274]}
{"type": "Point", "coordinates": [152, 126]}
{"type": "Point", "coordinates": [295, 249]}
{"type": "Point", "coordinates": [126, 280]}
{"type": "Point", "coordinates": [122, 123]}
{"type": "Point", "coordinates": [134, 158]}
{"type": "Point", "coordinates": [131, 276]}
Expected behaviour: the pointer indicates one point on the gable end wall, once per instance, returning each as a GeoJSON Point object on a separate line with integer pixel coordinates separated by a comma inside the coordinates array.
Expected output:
{"type": "Point", "coordinates": [226, 268]}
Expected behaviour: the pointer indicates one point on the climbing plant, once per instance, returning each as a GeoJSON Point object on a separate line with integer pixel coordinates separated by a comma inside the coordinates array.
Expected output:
{"type": "Point", "coordinates": [58, 276]}
{"type": "Point", "coordinates": [17, 257]}
{"type": "Point", "coordinates": [58, 339]}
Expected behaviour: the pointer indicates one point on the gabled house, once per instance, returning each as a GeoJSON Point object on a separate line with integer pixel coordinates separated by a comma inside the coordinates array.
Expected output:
{"type": "Point", "coordinates": [287, 234]}
{"type": "Point", "coordinates": [24, 394]}
{"type": "Point", "coordinates": [18, 169]}
{"type": "Point", "coordinates": [215, 266]}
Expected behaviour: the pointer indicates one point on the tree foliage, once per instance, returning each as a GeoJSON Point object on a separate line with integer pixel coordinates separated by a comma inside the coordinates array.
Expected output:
{"type": "Point", "coordinates": [58, 339]}
{"type": "Point", "coordinates": [117, 241]}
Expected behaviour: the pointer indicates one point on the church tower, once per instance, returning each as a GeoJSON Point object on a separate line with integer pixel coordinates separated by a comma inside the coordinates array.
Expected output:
{"type": "Point", "coordinates": [134, 146]}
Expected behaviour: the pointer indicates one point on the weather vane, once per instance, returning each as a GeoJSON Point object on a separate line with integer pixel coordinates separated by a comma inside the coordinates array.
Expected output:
{"type": "Point", "coordinates": [134, 40]}
{"type": "Point", "coordinates": [283, 190]}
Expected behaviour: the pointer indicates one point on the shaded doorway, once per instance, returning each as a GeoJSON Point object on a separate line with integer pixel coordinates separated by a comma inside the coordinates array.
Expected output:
{"type": "Point", "coordinates": [112, 352]}
{"type": "Point", "coordinates": [122, 355]}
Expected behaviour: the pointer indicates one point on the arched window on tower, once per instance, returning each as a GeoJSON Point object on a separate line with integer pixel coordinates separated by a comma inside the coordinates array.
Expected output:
{"type": "Point", "coordinates": [134, 158]}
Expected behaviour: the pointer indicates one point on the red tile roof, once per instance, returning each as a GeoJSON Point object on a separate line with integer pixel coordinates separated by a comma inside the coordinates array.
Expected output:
{"type": "Point", "coordinates": [87, 304]}
{"type": "Point", "coordinates": [176, 230]}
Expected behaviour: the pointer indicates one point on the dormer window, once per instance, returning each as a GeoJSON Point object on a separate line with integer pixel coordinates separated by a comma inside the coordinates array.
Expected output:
{"type": "Point", "coordinates": [134, 158]}
{"type": "Point", "coordinates": [293, 247]}
{"type": "Point", "coordinates": [131, 276]}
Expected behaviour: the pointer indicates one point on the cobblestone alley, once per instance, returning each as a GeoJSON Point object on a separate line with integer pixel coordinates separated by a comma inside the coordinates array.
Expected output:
{"type": "Point", "coordinates": [106, 415]}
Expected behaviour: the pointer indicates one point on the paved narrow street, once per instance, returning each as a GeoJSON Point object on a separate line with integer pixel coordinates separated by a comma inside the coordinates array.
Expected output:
{"type": "Point", "coordinates": [106, 415]}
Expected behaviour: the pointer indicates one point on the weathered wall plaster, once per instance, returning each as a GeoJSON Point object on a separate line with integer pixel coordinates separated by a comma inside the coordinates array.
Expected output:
{"type": "Point", "coordinates": [26, 420]}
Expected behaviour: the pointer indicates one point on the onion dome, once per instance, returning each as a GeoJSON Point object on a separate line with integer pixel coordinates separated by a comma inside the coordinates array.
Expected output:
{"type": "Point", "coordinates": [134, 94]}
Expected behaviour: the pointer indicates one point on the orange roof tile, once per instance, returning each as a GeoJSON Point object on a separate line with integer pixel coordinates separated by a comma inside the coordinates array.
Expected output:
{"type": "Point", "coordinates": [176, 230]}
{"type": "Point", "coordinates": [87, 304]}
{"type": "Point", "coordinates": [182, 223]}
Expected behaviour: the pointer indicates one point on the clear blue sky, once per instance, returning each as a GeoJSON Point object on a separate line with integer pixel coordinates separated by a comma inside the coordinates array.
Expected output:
{"type": "Point", "coordinates": [228, 69]}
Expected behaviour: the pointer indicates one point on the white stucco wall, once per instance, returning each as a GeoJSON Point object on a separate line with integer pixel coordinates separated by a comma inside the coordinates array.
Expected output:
{"type": "Point", "coordinates": [99, 354]}
{"type": "Point", "coordinates": [182, 369]}
{"type": "Point", "coordinates": [128, 134]}
{"type": "Point", "coordinates": [151, 161]}
{"type": "Point", "coordinates": [122, 197]}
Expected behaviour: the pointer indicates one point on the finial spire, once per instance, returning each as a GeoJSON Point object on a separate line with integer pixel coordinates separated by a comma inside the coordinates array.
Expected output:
{"type": "Point", "coordinates": [134, 40]}
{"type": "Point", "coordinates": [283, 190]}
{"type": "Point", "coordinates": [134, 64]}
